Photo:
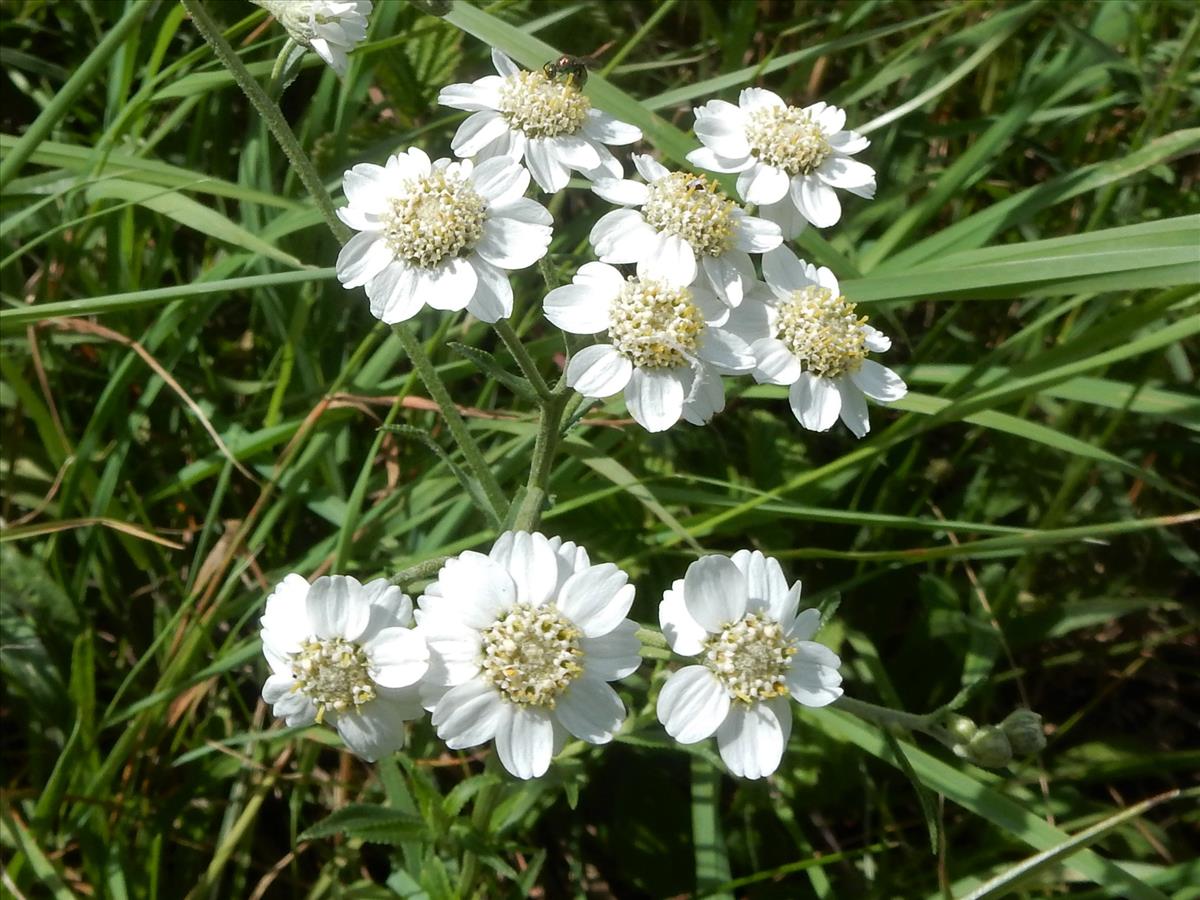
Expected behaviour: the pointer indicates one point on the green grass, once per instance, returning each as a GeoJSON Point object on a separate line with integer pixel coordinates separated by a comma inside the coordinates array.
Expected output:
{"type": "Point", "coordinates": [192, 408]}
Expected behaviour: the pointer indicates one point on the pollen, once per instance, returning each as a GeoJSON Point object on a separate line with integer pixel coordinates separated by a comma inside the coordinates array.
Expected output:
{"type": "Point", "coordinates": [823, 331]}
{"type": "Point", "coordinates": [532, 654]}
{"type": "Point", "coordinates": [438, 217]}
{"type": "Point", "coordinates": [788, 138]}
{"type": "Point", "coordinates": [694, 208]}
{"type": "Point", "coordinates": [751, 658]}
{"type": "Point", "coordinates": [655, 325]}
{"type": "Point", "coordinates": [542, 107]}
{"type": "Point", "coordinates": [333, 674]}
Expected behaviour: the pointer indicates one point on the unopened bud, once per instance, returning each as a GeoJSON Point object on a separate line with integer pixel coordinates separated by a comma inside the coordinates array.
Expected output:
{"type": "Point", "coordinates": [961, 727]}
{"type": "Point", "coordinates": [989, 748]}
{"type": "Point", "coordinates": [1023, 728]}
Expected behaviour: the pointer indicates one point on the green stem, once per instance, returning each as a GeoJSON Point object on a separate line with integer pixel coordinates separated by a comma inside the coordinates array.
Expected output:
{"type": "Point", "coordinates": [458, 428]}
{"type": "Point", "coordinates": [418, 571]}
{"type": "Point", "coordinates": [271, 115]}
{"type": "Point", "coordinates": [525, 362]}
{"type": "Point", "coordinates": [883, 716]}
{"type": "Point", "coordinates": [530, 511]}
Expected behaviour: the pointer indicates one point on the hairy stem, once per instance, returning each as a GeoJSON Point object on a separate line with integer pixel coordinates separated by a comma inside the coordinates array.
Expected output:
{"type": "Point", "coordinates": [525, 362]}
{"type": "Point", "coordinates": [530, 511]}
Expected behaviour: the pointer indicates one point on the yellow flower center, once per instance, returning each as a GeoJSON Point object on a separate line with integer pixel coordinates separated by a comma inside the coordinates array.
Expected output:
{"type": "Point", "coordinates": [823, 331]}
{"type": "Point", "coordinates": [788, 138]}
{"type": "Point", "coordinates": [751, 658]}
{"type": "Point", "coordinates": [532, 655]}
{"type": "Point", "coordinates": [655, 325]}
{"type": "Point", "coordinates": [694, 208]}
{"type": "Point", "coordinates": [440, 216]}
{"type": "Point", "coordinates": [542, 107]}
{"type": "Point", "coordinates": [332, 673]}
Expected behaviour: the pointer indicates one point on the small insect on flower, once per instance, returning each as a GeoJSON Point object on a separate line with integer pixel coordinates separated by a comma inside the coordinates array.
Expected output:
{"type": "Point", "coordinates": [570, 69]}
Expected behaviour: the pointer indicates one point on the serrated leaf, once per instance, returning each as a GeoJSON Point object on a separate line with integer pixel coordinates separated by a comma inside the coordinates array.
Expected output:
{"type": "Point", "coordinates": [375, 824]}
{"type": "Point", "coordinates": [486, 363]}
{"type": "Point", "coordinates": [464, 791]}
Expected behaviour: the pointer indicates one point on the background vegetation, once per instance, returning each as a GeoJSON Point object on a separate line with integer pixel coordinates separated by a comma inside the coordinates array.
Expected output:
{"type": "Point", "coordinates": [191, 409]}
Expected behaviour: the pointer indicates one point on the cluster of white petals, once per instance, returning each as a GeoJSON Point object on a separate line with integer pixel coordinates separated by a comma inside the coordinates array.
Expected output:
{"type": "Point", "coordinates": [330, 28]}
{"type": "Point", "coordinates": [441, 234]}
{"type": "Point", "coordinates": [818, 345]}
{"type": "Point", "coordinates": [529, 115]}
{"type": "Point", "coordinates": [755, 653]}
{"type": "Point", "coordinates": [789, 160]}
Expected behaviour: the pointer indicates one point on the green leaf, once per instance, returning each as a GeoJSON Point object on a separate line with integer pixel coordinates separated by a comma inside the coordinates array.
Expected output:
{"type": "Point", "coordinates": [376, 824]}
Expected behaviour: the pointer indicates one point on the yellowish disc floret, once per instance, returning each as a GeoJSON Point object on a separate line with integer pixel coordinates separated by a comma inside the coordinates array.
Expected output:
{"type": "Point", "coordinates": [694, 208]}
{"type": "Point", "coordinates": [439, 216]}
{"type": "Point", "coordinates": [655, 325]}
{"type": "Point", "coordinates": [823, 331]}
{"type": "Point", "coordinates": [532, 655]}
{"type": "Point", "coordinates": [788, 138]}
{"type": "Point", "coordinates": [751, 658]}
{"type": "Point", "coordinates": [542, 107]}
{"type": "Point", "coordinates": [332, 673]}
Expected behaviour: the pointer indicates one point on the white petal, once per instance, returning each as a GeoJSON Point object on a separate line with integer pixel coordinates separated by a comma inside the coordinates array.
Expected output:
{"type": "Point", "coordinates": [725, 350]}
{"type": "Point", "coordinates": [578, 308]}
{"type": "Point", "coordinates": [752, 320]}
{"type": "Point", "coordinates": [848, 174]}
{"type": "Point", "coordinates": [285, 619]}
{"type": "Point", "coordinates": [877, 341]}
{"type": "Point", "coordinates": [806, 623]}
{"type": "Point", "coordinates": [786, 216]}
{"type": "Point", "coordinates": [454, 648]}
{"type": "Point", "coordinates": [854, 407]}
{"type": "Point", "coordinates": [292, 706]}
{"type": "Point", "coordinates": [511, 244]}
{"type": "Point", "coordinates": [477, 131]}
{"type": "Point", "coordinates": [670, 258]}
{"type": "Point", "coordinates": [685, 635]}
{"type": "Point", "coordinates": [622, 236]}
{"type": "Point", "coordinates": [449, 285]}
{"type": "Point", "coordinates": [600, 126]}
{"type": "Point", "coordinates": [621, 191]}
{"type": "Point", "coordinates": [336, 607]}
{"type": "Point", "coordinates": [575, 152]}
{"type": "Point", "coordinates": [848, 142]}
{"type": "Point", "coordinates": [729, 274]}
{"type": "Point", "coordinates": [826, 279]}
{"type": "Point", "coordinates": [365, 186]}
{"type": "Point", "coordinates": [480, 587]}
{"type": "Point", "coordinates": [752, 738]}
{"type": "Point", "coordinates": [655, 398]}
{"type": "Point", "coordinates": [531, 562]}
{"type": "Point", "coordinates": [649, 167]}
{"type": "Point", "coordinates": [547, 170]}
{"type": "Point", "coordinates": [816, 200]}
{"type": "Point", "coordinates": [766, 586]}
{"type": "Point", "coordinates": [398, 657]}
{"type": "Point", "coordinates": [692, 704]}
{"type": "Point", "coordinates": [775, 363]}
{"type": "Point", "coordinates": [395, 294]}
{"type": "Point", "coordinates": [785, 273]}
{"type": "Point", "coordinates": [762, 184]}
{"type": "Point", "coordinates": [714, 591]}
{"type": "Point", "coordinates": [525, 741]}
{"type": "Point", "coordinates": [599, 371]}
{"type": "Point", "coordinates": [596, 599]}
{"type": "Point", "coordinates": [813, 677]}
{"type": "Point", "coordinates": [362, 258]}
{"type": "Point", "coordinates": [755, 235]}
{"type": "Point", "coordinates": [705, 158]}
{"type": "Point", "coordinates": [878, 382]}
{"type": "Point", "coordinates": [390, 607]}
{"type": "Point", "coordinates": [705, 398]}
{"type": "Point", "coordinates": [758, 98]}
{"type": "Point", "coordinates": [832, 119]}
{"type": "Point", "coordinates": [482, 94]}
{"type": "Point", "coordinates": [613, 655]}
{"type": "Point", "coordinates": [413, 163]}
{"type": "Point", "coordinates": [499, 180]}
{"type": "Point", "coordinates": [610, 166]}
{"type": "Point", "coordinates": [503, 64]}
{"type": "Point", "coordinates": [468, 715]}
{"type": "Point", "coordinates": [523, 210]}
{"type": "Point", "coordinates": [815, 402]}
{"type": "Point", "coordinates": [376, 731]}
{"type": "Point", "coordinates": [590, 710]}
{"type": "Point", "coordinates": [723, 134]}
{"type": "Point", "coordinates": [493, 299]}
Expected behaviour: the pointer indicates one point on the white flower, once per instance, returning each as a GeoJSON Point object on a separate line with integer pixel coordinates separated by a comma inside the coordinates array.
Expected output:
{"type": "Point", "coordinates": [819, 346]}
{"type": "Point", "coordinates": [789, 159]}
{"type": "Point", "coordinates": [547, 121]}
{"type": "Point", "coordinates": [343, 653]}
{"type": "Point", "coordinates": [522, 644]}
{"type": "Point", "coordinates": [739, 617]}
{"type": "Point", "coordinates": [687, 223]}
{"type": "Point", "coordinates": [668, 345]}
{"type": "Point", "coordinates": [440, 234]}
{"type": "Point", "coordinates": [331, 28]}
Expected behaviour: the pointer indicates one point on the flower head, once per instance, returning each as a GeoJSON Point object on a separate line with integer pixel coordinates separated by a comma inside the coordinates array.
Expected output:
{"type": "Point", "coordinates": [343, 653]}
{"type": "Point", "coordinates": [789, 159]}
{"type": "Point", "coordinates": [440, 233]}
{"type": "Point", "coordinates": [668, 343]}
{"type": "Point", "coordinates": [754, 648]}
{"type": "Point", "coordinates": [819, 345]}
{"type": "Point", "coordinates": [686, 223]}
{"type": "Point", "coordinates": [533, 115]}
{"type": "Point", "coordinates": [331, 28]}
{"type": "Point", "coordinates": [522, 644]}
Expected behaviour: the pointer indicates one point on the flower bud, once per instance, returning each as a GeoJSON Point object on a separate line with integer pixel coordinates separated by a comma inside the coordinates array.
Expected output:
{"type": "Point", "coordinates": [961, 727]}
{"type": "Point", "coordinates": [1023, 728]}
{"type": "Point", "coordinates": [989, 748]}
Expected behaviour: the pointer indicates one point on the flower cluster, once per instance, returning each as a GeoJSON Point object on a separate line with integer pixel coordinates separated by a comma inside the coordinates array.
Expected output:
{"type": "Point", "coordinates": [519, 646]}
{"type": "Point", "coordinates": [330, 28]}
